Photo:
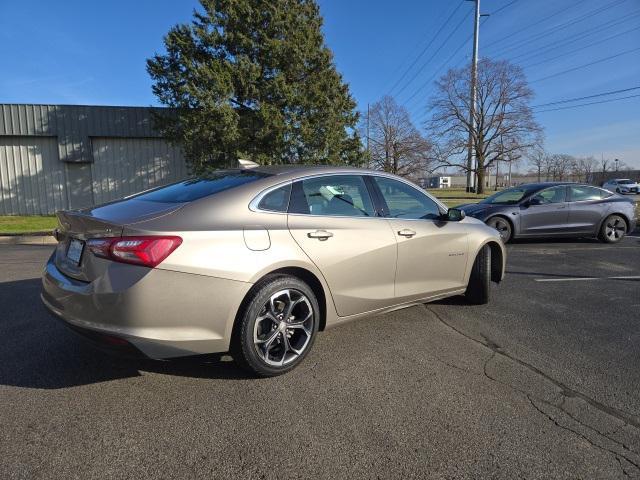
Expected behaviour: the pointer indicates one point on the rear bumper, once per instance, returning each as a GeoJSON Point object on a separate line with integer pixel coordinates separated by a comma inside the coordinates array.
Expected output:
{"type": "Point", "coordinates": [161, 313]}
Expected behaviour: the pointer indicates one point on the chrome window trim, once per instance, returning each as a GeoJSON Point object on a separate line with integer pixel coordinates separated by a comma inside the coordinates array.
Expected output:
{"type": "Point", "coordinates": [253, 205]}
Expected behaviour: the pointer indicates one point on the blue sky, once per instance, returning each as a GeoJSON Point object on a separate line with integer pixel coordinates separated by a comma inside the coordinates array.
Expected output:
{"type": "Point", "coordinates": [94, 53]}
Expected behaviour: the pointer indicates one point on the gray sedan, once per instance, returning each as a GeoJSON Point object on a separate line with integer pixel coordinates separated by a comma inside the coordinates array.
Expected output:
{"type": "Point", "coordinates": [556, 209]}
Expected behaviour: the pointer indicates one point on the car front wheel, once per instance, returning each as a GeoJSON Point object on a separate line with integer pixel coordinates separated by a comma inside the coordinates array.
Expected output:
{"type": "Point", "coordinates": [503, 227]}
{"type": "Point", "coordinates": [613, 229]}
{"type": "Point", "coordinates": [479, 285]}
{"type": "Point", "coordinates": [277, 328]}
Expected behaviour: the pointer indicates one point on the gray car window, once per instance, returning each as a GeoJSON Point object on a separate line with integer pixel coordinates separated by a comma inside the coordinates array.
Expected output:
{"type": "Point", "coordinates": [332, 195]}
{"type": "Point", "coordinates": [551, 195]}
{"type": "Point", "coordinates": [580, 193]}
{"type": "Point", "coordinates": [404, 201]}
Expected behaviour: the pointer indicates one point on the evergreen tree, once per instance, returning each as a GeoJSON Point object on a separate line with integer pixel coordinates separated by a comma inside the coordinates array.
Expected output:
{"type": "Point", "coordinates": [254, 79]}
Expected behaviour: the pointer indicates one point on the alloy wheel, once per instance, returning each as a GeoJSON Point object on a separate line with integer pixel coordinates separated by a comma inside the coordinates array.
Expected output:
{"type": "Point", "coordinates": [502, 226]}
{"type": "Point", "coordinates": [615, 228]}
{"type": "Point", "coordinates": [284, 327]}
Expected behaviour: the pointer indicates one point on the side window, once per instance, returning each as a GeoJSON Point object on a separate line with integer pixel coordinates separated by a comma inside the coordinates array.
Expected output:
{"type": "Point", "coordinates": [332, 195]}
{"type": "Point", "coordinates": [551, 195]}
{"type": "Point", "coordinates": [580, 193]}
{"type": "Point", "coordinates": [276, 200]}
{"type": "Point", "coordinates": [404, 201]}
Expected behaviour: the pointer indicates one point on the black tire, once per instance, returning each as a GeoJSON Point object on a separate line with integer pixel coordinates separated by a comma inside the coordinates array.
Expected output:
{"type": "Point", "coordinates": [617, 190]}
{"type": "Point", "coordinates": [249, 340]}
{"type": "Point", "coordinates": [613, 229]}
{"type": "Point", "coordinates": [503, 226]}
{"type": "Point", "coordinates": [479, 287]}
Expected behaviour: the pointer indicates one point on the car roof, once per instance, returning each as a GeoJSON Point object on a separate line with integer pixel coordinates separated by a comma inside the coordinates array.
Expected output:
{"type": "Point", "coordinates": [546, 184]}
{"type": "Point", "coordinates": [306, 169]}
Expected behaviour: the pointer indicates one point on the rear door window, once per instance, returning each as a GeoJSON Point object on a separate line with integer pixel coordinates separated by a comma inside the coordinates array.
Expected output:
{"type": "Point", "coordinates": [581, 193]}
{"type": "Point", "coordinates": [332, 195]}
{"type": "Point", "coordinates": [196, 188]}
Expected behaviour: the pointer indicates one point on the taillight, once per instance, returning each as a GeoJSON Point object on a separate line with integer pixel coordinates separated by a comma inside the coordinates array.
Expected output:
{"type": "Point", "coordinates": [146, 251]}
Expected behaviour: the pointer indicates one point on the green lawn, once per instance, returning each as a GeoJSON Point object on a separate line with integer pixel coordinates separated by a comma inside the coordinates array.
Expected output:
{"type": "Point", "coordinates": [457, 193]}
{"type": "Point", "coordinates": [452, 197]}
{"type": "Point", "coordinates": [30, 224]}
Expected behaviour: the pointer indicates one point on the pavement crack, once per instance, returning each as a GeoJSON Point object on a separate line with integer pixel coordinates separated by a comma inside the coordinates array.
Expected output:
{"type": "Point", "coordinates": [565, 389]}
{"type": "Point", "coordinates": [617, 455]}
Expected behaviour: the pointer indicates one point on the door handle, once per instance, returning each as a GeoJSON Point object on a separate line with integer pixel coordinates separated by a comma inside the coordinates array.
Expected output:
{"type": "Point", "coordinates": [321, 235]}
{"type": "Point", "coordinates": [405, 232]}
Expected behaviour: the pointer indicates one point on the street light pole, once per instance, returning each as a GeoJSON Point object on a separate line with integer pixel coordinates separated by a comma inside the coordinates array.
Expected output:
{"type": "Point", "coordinates": [616, 160]}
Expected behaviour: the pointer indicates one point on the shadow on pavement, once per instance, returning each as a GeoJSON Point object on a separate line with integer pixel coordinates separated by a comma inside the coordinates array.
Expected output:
{"type": "Point", "coordinates": [37, 351]}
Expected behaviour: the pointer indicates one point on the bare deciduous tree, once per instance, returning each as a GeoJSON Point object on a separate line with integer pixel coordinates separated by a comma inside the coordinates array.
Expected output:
{"type": "Point", "coordinates": [583, 168]}
{"type": "Point", "coordinates": [504, 125]}
{"type": "Point", "coordinates": [395, 143]}
{"type": "Point", "coordinates": [537, 160]}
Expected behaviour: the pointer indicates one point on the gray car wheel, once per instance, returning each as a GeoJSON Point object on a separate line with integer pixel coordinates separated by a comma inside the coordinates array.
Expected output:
{"type": "Point", "coordinates": [503, 226]}
{"type": "Point", "coordinates": [278, 326]}
{"type": "Point", "coordinates": [613, 229]}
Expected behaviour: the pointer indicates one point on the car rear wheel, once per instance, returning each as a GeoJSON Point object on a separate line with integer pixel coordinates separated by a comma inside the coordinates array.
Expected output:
{"type": "Point", "coordinates": [503, 226]}
{"type": "Point", "coordinates": [480, 280]}
{"type": "Point", "coordinates": [613, 229]}
{"type": "Point", "coordinates": [277, 328]}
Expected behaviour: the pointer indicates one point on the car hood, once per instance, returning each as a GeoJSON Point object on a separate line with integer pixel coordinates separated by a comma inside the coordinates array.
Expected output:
{"type": "Point", "coordinates": [473, 208]}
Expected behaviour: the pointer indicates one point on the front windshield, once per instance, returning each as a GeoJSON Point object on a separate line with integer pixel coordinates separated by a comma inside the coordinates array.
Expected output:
{"type": "Point", "coordinates": [625, 182]}
{"type": "Point", "coordinates": [510, 196]}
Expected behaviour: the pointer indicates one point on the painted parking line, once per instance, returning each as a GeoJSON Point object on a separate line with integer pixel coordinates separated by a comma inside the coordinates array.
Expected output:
{"type": "Point", "coordinates": [587, 279]}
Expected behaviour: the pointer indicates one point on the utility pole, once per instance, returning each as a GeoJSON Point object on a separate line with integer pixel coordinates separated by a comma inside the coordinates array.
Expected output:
{"type": "Point", "coordinates": [368, 149]}
{"type": "Point", "coordinates": [471, 178]}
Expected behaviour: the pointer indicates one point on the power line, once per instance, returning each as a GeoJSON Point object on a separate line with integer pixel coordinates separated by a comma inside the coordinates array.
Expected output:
{"type": "Point", "coordinates": [557, 74]}
{"type": "Point", "coordinates": [568, 100]}
{"type": "Point", "coordinates": [434, 54]}
{"type": "Point", "coordinates": [590, 103]}
{"type": "Point", "coordinates": [504, 7]}
{"type": "Point", "coordinates": [553, 46]}
{"type": "Point", "coordinates": [422, 52]}
{"type": "Point", "coordinates": [581, 48]}
{"type": "Point", "coordinates": [500, 40]}
{"type": "Point", "coordinates": [555, 28]}
{"type": "Point", "coordinates": [439, 69]}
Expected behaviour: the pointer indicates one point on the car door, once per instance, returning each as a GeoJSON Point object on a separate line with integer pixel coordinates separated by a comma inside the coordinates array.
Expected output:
{"type": "Point", "coordinates": [586, 209]}
{"type": "Point", "coordinates": [546, 212]}
{"type": "Point", "coordinates": [333, 219]}
{"type": "Point", "coordinates": [432, 253]}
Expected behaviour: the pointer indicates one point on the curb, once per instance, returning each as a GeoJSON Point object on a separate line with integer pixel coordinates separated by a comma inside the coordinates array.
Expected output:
{"type": "Point", "coordinates": [28, 240]}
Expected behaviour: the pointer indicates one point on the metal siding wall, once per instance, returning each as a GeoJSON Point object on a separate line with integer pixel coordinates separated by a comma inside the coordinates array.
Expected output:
{"type": "Point", "coordinates": [32, 180]}
{"type": "Point", "coordinates": [124, 166]}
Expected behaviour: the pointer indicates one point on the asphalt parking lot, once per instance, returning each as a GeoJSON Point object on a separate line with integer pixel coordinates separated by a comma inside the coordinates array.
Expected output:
{"type": "Point", "coordinates": [541, 383]}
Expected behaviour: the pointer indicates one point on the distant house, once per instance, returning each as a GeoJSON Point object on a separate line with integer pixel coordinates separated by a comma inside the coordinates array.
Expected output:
{"type": "Point", "coordinates": [436, 182]}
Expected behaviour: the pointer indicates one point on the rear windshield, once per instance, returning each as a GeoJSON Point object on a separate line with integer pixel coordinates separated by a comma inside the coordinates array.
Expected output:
{"type": "Point", "coordinates": [200, 187]}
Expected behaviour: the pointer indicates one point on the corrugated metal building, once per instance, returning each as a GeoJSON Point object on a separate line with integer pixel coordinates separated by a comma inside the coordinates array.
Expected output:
{"type": "Point", "coordinates": [56, 157]}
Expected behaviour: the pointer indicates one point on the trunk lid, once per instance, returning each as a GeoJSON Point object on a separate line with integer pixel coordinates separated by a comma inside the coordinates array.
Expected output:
{"type": "Point", "coordinates": [77, 226]}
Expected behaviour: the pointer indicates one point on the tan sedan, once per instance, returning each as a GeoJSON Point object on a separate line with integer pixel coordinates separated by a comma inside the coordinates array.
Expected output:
{"type": "Point", "coordinates": [255, 261]}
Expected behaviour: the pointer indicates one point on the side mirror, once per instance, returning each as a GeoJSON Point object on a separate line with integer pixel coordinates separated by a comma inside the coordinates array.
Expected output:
{"type": "Point", "coordinates": [534, 201]}
{"type": "Point", "coordinates": [455, 215]}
